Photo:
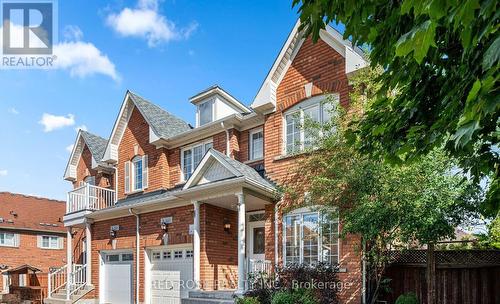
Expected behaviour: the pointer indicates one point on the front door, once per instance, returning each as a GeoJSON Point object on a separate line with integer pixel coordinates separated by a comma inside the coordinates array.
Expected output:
{"type": "Point", "coordinates": [256, 237]}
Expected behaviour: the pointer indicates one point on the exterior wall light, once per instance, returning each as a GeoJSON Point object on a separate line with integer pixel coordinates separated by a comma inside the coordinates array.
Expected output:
{"type": "Point", "coordinates": [227, 225]}
{"type": "Point", "coordinates": [113, 230]}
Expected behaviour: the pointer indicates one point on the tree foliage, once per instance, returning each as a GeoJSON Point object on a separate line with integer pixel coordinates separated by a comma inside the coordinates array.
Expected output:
{"type": "Point", "coordinates": [439, 85]}
{"type": "Point", "coordinates": [388, 206]}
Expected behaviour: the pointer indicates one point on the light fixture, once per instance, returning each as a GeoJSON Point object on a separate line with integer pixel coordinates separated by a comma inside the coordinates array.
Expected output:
{"type": "Point", "coordinates": [227, 225]}
{"type": "Point", "coordinates": [113, 230]}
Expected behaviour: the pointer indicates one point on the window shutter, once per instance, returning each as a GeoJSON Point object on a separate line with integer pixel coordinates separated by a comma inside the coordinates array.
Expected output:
{"type": "Point", "coordinates": [145, 171]}
{"type": "Point", "coordinates": [127, 177]}
{"type": "Point", "coordinates": [39, 241]}
{"type": "Point", "coordinates": [17, 240]}
{"type": "Point", "coordinates": [61, 242]}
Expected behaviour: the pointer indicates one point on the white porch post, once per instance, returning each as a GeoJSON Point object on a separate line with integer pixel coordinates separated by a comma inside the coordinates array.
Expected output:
{"type": "Point", "coordinates": [242, 274]}
{"type": "Point", "coordinates": [69, 260]}
{"type": "Point", "coordinates": [88, 252]}
{"type": "Point", "coordinates": [196, 244]}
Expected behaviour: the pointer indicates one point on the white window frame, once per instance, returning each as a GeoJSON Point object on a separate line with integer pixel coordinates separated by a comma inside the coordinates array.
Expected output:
{"type": "Point", "coordinates": [133, 176]}
{"type": "Point", "coordinates": [299, 109]}
{"type": "Point", "coordinates": [198, 112]}
{"type": "Point", "coordinates": [191, 147]}
{"type": "Point", "coordinates": [304, 212]}
{"type": "Point", "coordinates": [15, 239]}
{"type": "Point", "coordinates": [50, 237]}
{"type": "Point", "coordinates": [251, 155]}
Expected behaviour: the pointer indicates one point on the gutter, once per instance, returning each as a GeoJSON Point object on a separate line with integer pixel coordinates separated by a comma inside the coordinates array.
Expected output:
{"type": "Point", "coordinates": [137, 240]}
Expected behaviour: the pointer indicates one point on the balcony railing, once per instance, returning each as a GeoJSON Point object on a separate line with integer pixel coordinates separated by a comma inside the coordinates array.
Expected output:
{"type": "Point", "coordinates": [89, 197]}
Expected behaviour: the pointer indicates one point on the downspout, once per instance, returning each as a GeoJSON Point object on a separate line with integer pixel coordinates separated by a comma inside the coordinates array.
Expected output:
{"type": "Point", "coordinates": [228, 144]}
{"type": "Point", "coordinates": [137, 240]}
{"type": "Point", "coordinates": [276, 226]}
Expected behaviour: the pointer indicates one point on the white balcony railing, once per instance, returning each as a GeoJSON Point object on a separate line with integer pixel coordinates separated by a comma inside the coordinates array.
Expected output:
{"type": "Point", "coordinates": [89, 197]}
{"type": "Point", "coordinates": [260, 266]}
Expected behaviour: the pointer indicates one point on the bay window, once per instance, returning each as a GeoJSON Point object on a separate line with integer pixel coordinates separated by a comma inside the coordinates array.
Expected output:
{"type": "Point", "coordinates": [191, 157]}
{"type": "Point", "coordinates": [309, 238]}
{"type": "Point", "coordinates": [256, 144]}
{"type": "Point", "coordinates": [297, 135]}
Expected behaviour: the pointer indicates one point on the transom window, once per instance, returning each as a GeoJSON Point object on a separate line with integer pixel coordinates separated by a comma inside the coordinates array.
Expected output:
{"type": "Point", "coordinates": [297, 136]}
{"type": "Point", "coordinates": [309, 238]}
{"type": "Point", "coordinates": [119, 257]}
{"type": "Point", "coordinates": [50, 242]}
{"type": "Point", "coordinates": [256, 144]}
{"type": "Point", "coordinates": [191, 157]}
{"type": "Point", "coordinates": [205, 112]}
{"type": "Point", "coordinates": [8, 239]}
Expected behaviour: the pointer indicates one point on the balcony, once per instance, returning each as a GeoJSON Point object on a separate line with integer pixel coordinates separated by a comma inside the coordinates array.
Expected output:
{"type": "Point", "coordinates": [89, 198]}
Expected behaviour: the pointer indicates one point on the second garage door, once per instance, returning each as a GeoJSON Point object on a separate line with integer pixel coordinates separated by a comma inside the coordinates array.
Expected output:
{"type": "Point", "coordinates": [171, 275]}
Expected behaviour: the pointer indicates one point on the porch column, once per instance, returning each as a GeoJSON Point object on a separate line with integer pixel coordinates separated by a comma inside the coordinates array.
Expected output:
{"type": "Point", "coordinates": [69, 260]}
{"type": "Point", "coordinates": [88, 252]}
{"type": "Point", "coordinates": [196, 244]}
{"type": "Point", "coordinates": [242, 274]}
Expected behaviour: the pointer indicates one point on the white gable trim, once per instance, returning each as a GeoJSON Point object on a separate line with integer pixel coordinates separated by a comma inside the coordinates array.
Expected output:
{"type": "Point", "coordinates": [228, 98]}
{"type": "Point", "coordinates": [265, 100]}
{"type": "Point", "coordinates": [70, 171]}
{"type": "Point", "coordinates": [205, 163]}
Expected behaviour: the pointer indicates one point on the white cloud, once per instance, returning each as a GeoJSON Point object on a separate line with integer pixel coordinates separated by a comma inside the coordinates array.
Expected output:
{"type": "Point", "coordinates": [53, 122]}
{"type": "Point", "coordinates": [82, 127]}
{"type": "Point", "coordinates": [70, 148]}
{"type": "Point", "coordinates": [4, 172]}
{"type": "Point", "coordinates": [13, 111]}
{"type": "Point", "coordinates": [146, 22]}
{"type": "Point", "coordinates": [80, 58]}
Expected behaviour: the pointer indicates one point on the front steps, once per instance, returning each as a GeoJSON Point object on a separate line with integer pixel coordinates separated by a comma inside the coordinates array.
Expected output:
{"type": "Point", "coordinates": [209, 297]}
{"type": "Point", "coordinates": [60, 296]}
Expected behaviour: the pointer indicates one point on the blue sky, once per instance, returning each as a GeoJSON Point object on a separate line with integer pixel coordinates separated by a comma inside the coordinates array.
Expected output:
{"type": "Point", "coordinates": [177, 49]}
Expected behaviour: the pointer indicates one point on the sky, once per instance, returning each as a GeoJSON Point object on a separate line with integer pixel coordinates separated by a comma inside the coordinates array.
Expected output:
{"type": "Point", "coordinates": [166, 51]}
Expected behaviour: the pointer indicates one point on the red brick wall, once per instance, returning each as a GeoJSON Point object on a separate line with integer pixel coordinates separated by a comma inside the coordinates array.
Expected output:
{"type": "Point", "coordinates": [137, 134]}
{"type": "Point", "coordinates": [150, 235]}
{"type": "Point", "coordinates": [219, 249]}
{"type": "Point", "coordinates": [84, 169]}
{"type": "Point", "coordinates": [29, 253]}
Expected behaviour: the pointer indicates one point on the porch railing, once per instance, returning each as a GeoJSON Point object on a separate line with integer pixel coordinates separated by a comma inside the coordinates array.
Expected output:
{"type": "Point", "coordinates": [78, 278]}
{"type": "Point", "coordinates": [260, 266]}
{"type": "Point", "coordinates": [56, 280]}
{"type": "Point", "coordinates": [89, 197]}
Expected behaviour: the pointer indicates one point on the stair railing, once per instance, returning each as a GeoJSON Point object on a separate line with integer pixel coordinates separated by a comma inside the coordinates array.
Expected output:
{"type": "Point", "coordinates": [57, 279]}
{"type": "Point", "coordinates": [78, 279]}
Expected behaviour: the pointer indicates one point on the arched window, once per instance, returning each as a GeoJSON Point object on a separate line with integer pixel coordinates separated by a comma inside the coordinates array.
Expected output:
{"type": "Point", "coordinates": [316, 109]}
{"type": "Point", "coordinates": [136, 174]}
{"type": "Point", "coordinates": [137, 168]}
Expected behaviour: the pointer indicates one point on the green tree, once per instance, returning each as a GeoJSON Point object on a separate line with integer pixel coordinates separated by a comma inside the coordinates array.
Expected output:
{"type": "Point", "coordinates": [390, 207]}
{"type": "Point", "coordinates": [441, 58]}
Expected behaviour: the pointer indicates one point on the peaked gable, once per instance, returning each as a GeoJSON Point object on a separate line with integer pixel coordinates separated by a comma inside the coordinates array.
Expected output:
{"type": "Point", "coordinates": [96, 146]}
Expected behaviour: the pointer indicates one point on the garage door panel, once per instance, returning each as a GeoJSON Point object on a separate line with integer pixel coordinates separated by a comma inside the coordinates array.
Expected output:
{"type": "Point", "coordinates": [118, 282]}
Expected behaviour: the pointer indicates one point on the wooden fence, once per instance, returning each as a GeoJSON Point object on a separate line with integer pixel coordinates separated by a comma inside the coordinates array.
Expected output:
{"type": "Point", "coordinates": [462, 276]}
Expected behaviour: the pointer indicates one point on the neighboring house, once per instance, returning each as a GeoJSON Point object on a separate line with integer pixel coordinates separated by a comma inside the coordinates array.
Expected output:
{"type": "Point", "coordinates": [31, 232]}
{"type": "Point", "coordinates": [163, 201]}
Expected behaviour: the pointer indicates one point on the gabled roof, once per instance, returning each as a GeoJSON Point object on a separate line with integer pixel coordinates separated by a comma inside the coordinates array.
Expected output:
{"type": "Point", "coordinates": [96, 145]}
{"type": "Point", "coordinates": [26, 212]}
{"type": "Point", "coordinates": [163, 123]}
{"type": "Point", "coordinates": [265, 100]}
{"type": "Point", "coordinates": [224, 167]}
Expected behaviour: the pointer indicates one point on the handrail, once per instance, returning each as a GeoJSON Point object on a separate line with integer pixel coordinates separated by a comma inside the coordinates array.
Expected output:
{"type": "Point", "coordinates": [78, 279]}
{"type": "Point", "coordinates": [89, 197]}
{"type": "Point", "coordinates": [56, 280]}
{"type": "Point", "coordinates": [260, 266]}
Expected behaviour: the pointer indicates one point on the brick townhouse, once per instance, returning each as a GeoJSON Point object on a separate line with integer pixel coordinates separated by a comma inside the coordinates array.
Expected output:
{"type": "Point", "coordinates": [161, 201]}
{"type": "Point", "coordinates": [31, 233]}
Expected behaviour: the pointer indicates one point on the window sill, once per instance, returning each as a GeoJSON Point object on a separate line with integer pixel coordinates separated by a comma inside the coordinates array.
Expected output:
{"type": "Point", "coordinates": [45, 248]}
{"type": "Point", "coordinates": [135, 192]}
{"type": "Point", "coordinates": [9, 246]}
{"type": "Point", "coordinates": [250, 161]}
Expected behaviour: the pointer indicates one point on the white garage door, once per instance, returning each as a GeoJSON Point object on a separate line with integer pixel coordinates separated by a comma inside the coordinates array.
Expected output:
{"type": "Point", "coordinates": [171, 275]}
{"type": "Point", "coordinates": [118, 278]}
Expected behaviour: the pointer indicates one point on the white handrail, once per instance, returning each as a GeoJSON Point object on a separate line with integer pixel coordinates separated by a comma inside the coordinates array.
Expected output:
{"type": "Point", "coordinates": [56, 280]}
{"type": "Point", "coordinates": [260, 266]}
{"type": "Point", "coordinates": [89, 197]}
{"type": "Point", "coordinates": [78, 279]}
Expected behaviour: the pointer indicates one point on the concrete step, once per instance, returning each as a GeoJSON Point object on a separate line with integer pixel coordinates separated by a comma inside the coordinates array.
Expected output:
{"type": "Point", "coordinates": [221, 294]}
{"type": "Point", "coordinates": [60, 296]}
{"type": "Point", "coordinates": [205, 301]}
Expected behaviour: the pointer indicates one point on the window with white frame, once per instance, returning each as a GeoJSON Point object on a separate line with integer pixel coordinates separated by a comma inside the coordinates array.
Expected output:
{"type": "Point", "coordinates": [49, 242]}
{"type": "Point", "coordinates": [256, 144]}
{"type": "Point", "coordinates": [191, 157]}
{"type": "Point", "coordinates": [8, 239]}
{"type": "Point", "coordinates": [205, 112]}
{"type": "Point", "coordinates": [297, 134]}
{"type": "Point", "coordinates": [136, 174]}
{"type": "Point", "coordinates": [309, 238]}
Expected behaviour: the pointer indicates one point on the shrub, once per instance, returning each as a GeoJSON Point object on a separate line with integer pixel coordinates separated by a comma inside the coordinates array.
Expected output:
{"type": "Point", "coordinates": [322, 279]}
{"type": "Point", "coordinates": [407, 298]}
{"type": "Point", "coordinates": [247, 300]}
{"type": "Point", "coordinates": [299, 296]}
{"type": "Point", "coordinates": [262, 287]}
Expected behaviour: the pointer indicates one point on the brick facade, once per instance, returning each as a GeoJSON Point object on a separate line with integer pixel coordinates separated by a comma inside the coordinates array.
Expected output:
{"type": "Point", "coordinates": [317, 63]}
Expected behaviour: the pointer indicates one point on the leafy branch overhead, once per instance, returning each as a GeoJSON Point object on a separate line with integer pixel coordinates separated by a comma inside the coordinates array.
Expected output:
{"type": "Point", "coordinates": [442, 60]}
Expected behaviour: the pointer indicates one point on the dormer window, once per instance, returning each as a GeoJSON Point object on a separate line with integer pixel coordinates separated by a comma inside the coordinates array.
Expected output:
{"type": "Point", "coordinates": [205, 112]}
